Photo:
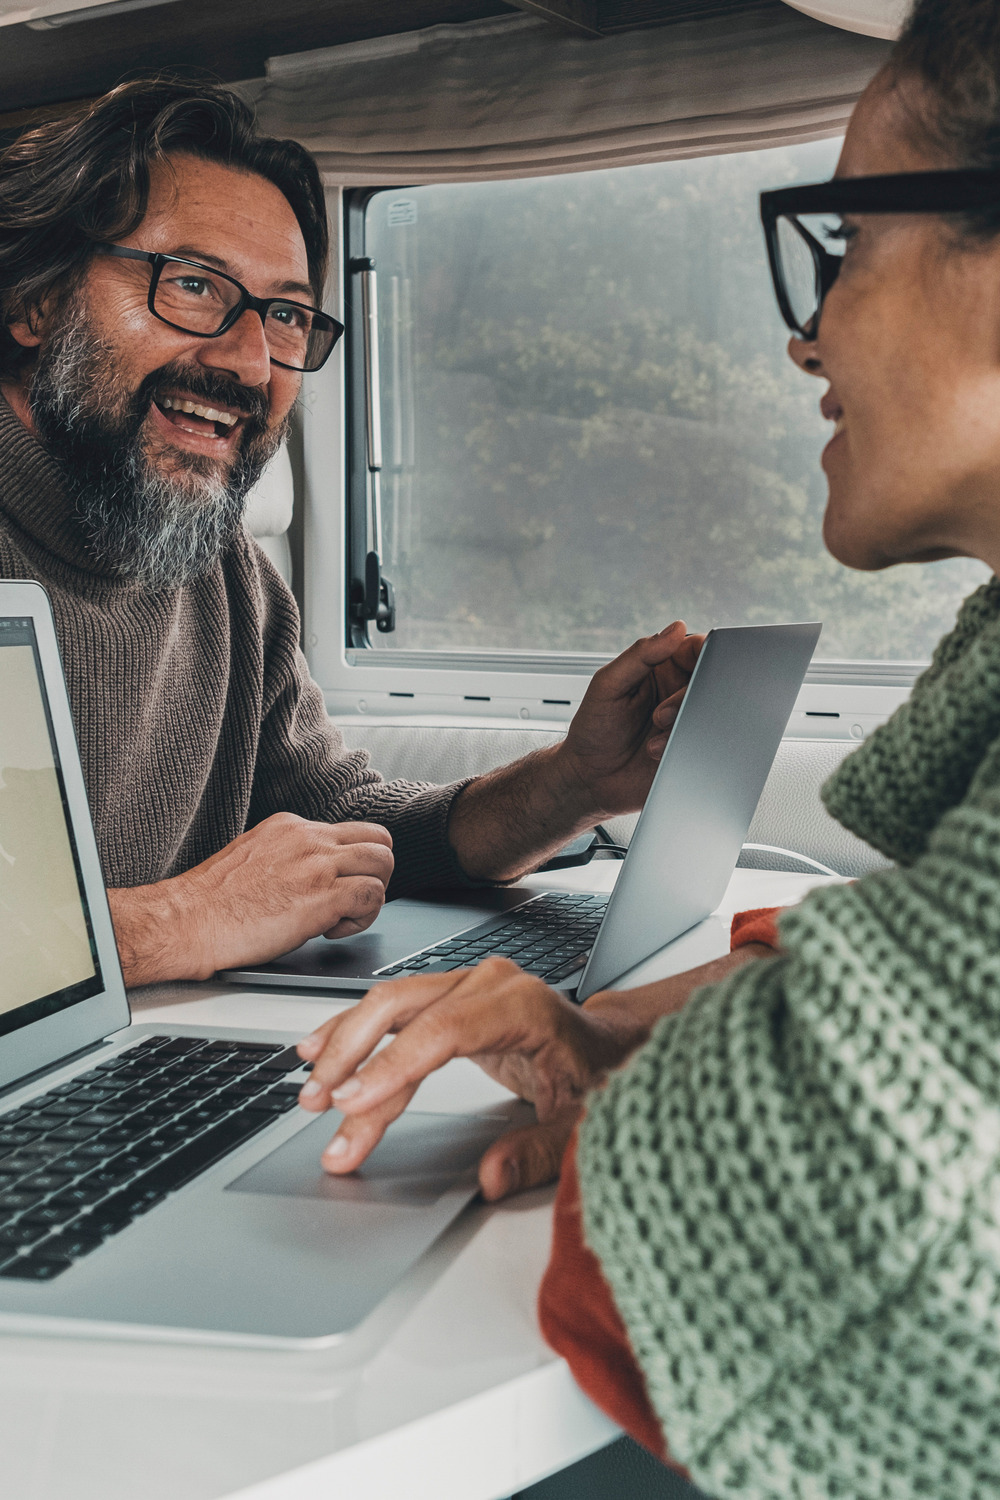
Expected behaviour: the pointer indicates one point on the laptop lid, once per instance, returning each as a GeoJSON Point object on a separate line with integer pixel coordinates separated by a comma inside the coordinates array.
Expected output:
{"type": "Point", "coordinates": [706, 789]}
{"type": "Point", "coordinates": [61, 987]}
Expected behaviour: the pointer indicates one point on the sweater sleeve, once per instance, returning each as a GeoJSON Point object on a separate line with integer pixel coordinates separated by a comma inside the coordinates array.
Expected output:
{"type": "Point", "coordinates": [893, 789]}
{"type": "Point", "coordinates": [793, 1192]}
{"type": "Point", "coordinates": [303, 765]}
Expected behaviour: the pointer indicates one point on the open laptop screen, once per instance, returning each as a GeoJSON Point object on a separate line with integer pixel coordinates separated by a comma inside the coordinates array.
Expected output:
{"type": "Point", "coordinates": [49, 954]}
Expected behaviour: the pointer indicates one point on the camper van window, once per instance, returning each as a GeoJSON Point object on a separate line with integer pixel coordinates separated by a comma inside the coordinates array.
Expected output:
{"type": "Point", "coordinates": [589, 424]}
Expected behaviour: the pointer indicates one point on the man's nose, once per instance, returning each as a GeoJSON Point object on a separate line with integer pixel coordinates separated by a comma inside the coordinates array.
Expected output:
{"type": "Point", "coordinates": [802, 352]}
{"type": "Point", "coordinates": [241, 351]}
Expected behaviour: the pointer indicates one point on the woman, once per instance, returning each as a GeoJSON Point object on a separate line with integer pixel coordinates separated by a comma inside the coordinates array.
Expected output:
{"type": "Point", "coordinates": [777, 1249]}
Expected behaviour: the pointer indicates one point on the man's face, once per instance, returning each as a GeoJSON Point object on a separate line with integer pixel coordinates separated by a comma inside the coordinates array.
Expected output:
{"type": "Point", "coordinates": [161, 489]}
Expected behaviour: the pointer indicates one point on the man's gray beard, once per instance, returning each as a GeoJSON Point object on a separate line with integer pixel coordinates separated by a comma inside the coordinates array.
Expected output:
{"type": "Point", "coordinates": [158, 530]}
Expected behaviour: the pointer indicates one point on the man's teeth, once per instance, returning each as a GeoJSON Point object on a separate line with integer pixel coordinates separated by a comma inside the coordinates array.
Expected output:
{"type": "Point", "coordinates": [839, 427]}
{"type": "Point", "coordinates": [210, 413]}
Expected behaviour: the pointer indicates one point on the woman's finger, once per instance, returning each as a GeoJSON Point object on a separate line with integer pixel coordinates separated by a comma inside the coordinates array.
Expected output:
{"type": "Point", "coordinates": [482, 1014]}
{"type": "Point", "coordinates": [338, 1048]}
{"type": "Point", "coordinates": [526, 1158]}
{"type": "Point", "coordinates": [358, 1135]}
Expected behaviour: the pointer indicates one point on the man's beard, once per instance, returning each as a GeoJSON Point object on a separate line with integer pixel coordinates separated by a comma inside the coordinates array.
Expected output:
{"type": "Point", "coordinates": [158, 519]}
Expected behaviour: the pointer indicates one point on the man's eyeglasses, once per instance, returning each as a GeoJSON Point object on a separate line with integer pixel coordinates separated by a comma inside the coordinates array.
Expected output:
{"type": "Point", "coordinates": [806, 236]}
{"type": "Point", "coordinates": [195, 298]}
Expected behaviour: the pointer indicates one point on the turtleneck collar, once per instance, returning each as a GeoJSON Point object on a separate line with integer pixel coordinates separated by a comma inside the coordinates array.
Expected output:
{"type": "Point", "coordinates": [33, 496]}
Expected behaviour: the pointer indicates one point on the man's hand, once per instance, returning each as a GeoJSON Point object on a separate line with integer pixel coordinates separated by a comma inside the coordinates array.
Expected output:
{"type": "Point", "coordinates": [621, 728]}
{"type": "Point", "coordinates": [273, 887]}
{"type": "Point", "coordinates": [528, 1037]}
{"type": "Point", "coordinates": [511, 820]}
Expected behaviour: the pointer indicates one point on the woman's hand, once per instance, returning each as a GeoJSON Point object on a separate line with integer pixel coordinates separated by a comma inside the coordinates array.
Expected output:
{"type": "Point", "coordinates": [525, 1035]}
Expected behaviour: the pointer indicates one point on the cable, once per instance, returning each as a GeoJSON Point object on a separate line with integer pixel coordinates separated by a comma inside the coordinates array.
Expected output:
{"type": "Point", "coordinates": [794, 854]}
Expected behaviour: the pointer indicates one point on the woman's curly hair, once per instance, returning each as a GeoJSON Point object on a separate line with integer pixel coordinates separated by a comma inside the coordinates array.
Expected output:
{"type": "Point", "coordinates": [952, 48]}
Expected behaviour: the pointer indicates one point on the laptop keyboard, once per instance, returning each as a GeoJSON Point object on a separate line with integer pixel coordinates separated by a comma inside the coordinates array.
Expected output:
{"type": "Point", "coordinates": [550, 936]}
{"type": "Point", "coordinates": [79, 1163]}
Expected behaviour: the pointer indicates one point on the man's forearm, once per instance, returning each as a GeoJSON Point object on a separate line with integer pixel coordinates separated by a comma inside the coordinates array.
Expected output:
{"type": "Point", "coordinates": [508, 822]}
{"type": "Point", "coordinates": [154, 939]}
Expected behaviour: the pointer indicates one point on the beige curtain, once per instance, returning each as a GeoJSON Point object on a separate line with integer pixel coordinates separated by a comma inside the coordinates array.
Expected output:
{"type": "Point", "coordinates": [513, 97]}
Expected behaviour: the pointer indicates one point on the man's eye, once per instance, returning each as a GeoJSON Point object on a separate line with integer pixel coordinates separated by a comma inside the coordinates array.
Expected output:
{"type": "Point", "coordinates": [194, 286]}
{"type": "Point", "coordinates": [289, 317]}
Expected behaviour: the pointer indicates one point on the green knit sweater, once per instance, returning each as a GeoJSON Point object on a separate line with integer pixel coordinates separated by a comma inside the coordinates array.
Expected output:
{"type": "Point", "coordinates": [794, 1188]}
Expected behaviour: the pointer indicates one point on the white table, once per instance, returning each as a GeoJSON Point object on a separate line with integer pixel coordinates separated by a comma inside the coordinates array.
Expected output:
{"type": "Point", "coordinates": [447, 1392]}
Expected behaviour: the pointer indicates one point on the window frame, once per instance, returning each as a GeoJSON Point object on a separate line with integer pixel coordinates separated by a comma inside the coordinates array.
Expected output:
{"type": "Point", "coordinates": [839, 700]}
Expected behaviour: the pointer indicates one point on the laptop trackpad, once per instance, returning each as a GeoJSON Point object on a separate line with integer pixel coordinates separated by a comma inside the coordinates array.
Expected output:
{"type": "Point", "coordinates": [420, 1157]}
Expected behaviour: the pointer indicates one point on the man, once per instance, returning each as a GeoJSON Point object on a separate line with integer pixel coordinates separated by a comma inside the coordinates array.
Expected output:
{"type": "Point", "coordinates": [159, 269]}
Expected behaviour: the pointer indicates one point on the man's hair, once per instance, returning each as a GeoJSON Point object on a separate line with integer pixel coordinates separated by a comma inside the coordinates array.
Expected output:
{"type": "Point", "coordinates": [952, 48]}
{"type": "Point", "coordinates": [83, 180]}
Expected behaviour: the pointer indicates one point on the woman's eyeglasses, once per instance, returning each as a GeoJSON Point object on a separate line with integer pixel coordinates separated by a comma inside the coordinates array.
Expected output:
{"type": "Point", "coordinates": [806, 236]}
{"type": "Point", "coordinates": [195, 298]}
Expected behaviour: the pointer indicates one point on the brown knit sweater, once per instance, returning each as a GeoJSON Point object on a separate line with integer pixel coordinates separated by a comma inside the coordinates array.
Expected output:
{"type": "Point", "coordinates": [194, 708]}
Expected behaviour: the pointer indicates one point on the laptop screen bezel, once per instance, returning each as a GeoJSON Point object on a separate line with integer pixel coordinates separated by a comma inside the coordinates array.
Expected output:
{"type": "Point", "coordinates": [41, 1043]}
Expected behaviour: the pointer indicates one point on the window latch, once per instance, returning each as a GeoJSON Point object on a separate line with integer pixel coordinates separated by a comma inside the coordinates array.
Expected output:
{"type": "Point", "coordinates": [378, 601]}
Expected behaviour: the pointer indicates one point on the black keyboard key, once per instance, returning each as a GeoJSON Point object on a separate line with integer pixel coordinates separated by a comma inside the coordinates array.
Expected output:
{"type": "Point", "coordinates": [189, 1094]}
{"type": "Point", "coordinates": [48, 1215]}
{"type": "Point", "coordinates": [108, 1218]}
{"type": "Point", "coordinates": [18, 1136]}
{"type": "Point", "coordinates": [109, 1178]}
{"type": "Point", "coordinates": [65, 1109]}
{"type": "Point", "coordinates": [289, 1092]}
{"type": "Point", "coordinates": [73, 1134]}
{"type": "Point", "coordinates": [16, 1116]}
{"type": "Point", "coordinates": [76, 1162]}
{"type": "Point", "coordinates": [80, 1194]}
{"type": "Point", "coordinates": [14, 1199]}
{"type": "Point", "coordinates": [70, 1245]}
{"type": "Point", "coordinates": [247, 1087]}
{"type": "Point", "coordinates": [268, 1104]}
{"type": "Point", "coordinates": [566, 969]}
{"type": "Point", "coordinates": [16, 1236]}
{"type": "Point", "coordinates": [92, 1093]}
{"type": "Point", "coordinates": [46, 1182]}
{"type": "Point", "coordinates": [94, 1151]}
{"type": "Point", "coordinates": [98, 1118]}
{"type": "Point", "coordinates": [204, 1115]}
{"type": "Point", "coordinates": [31, 1157]}
{"type": "Point", "coordinates": [285, 1062]}
{"type": "Point", "coordinates": [181, 1046]}
{"type": "Point", "coordinates": [31, 1268]}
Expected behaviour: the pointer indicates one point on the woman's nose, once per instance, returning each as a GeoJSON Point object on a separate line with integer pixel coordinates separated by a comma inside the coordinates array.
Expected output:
{"type": "Point", "coordinates": [802, 352]}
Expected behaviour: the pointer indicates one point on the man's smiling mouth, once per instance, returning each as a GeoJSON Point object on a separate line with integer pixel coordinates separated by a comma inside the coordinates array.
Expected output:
{"type": "Point", "coordinates": [199, 417]}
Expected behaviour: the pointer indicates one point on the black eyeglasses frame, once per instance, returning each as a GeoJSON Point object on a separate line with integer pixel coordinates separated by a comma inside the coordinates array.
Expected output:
{"type": "Point", "coordinates": [952, 191]}
{"type": "Point", "coordinates": [247, 301]}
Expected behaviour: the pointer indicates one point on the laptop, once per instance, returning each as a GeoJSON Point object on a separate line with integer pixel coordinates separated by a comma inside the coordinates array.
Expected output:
{"type": "Point", "coordinates": [160, 1181]}
{"type": "Point", "coordinates": [679, 862]}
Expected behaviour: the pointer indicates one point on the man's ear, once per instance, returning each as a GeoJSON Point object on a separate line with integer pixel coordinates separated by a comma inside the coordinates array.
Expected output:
{"type": "Point", "coordinates": [27, 330]}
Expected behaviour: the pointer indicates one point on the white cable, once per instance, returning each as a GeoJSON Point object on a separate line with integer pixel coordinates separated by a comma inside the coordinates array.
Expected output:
{"type": "Point", "coordinates": [794, 854]}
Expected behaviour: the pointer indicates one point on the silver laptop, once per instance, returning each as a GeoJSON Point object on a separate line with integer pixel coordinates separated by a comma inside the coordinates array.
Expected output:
{"type": "Point", "coordinates": [682, 854]}
{"type": "Point", "coordinates": [161, 1181]}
